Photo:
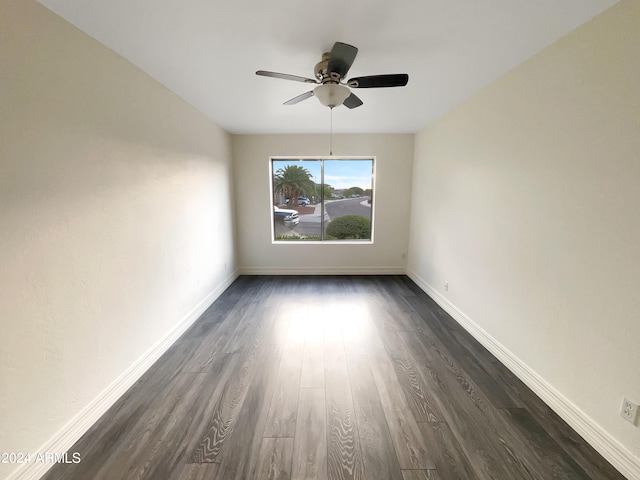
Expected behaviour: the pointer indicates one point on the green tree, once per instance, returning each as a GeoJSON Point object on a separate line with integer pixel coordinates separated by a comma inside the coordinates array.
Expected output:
{"type": "Point", "coordinates": [293, 181]}
{"type": "Point", "coordinates": [353, 191]}
{"type": "Point", "coordinates": [326, 189]}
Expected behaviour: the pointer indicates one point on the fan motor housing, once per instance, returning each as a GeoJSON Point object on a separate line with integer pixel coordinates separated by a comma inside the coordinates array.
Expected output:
{"type": "Point", "coordinates": [320, 69]}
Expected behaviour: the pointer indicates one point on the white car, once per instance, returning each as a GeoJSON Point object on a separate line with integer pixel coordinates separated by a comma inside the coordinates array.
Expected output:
{"type": "Point", "coordinates": [286, 216]}
{"type": "Point", "coordinates": [302, 201]}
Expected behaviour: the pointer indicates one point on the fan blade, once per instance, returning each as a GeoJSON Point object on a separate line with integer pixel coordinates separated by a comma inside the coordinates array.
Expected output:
{"type": "Point", "coordinates": [341, 58]}
{"type": "Point", "coordinates": [352, 101]}
{"type": "Point", "coordinates": [379, 81]}
{"type": "Point", "coordinates": [299, 98]}
{"type": "Point", "coordinates": [286, 76]}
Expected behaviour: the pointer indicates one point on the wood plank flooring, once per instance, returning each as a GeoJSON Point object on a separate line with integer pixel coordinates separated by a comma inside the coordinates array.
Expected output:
{"type": "Point", "coordinates": [358, 378]}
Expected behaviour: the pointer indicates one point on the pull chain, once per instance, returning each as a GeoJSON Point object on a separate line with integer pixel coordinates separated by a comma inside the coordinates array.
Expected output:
{"type": "Point", "coordinates": [331, 132]}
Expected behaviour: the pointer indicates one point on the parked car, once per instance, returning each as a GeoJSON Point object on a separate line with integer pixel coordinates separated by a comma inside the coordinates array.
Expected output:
{"type": "Point", "coordinates": [286, 216]}
{"type": "Point", "coordinates": [302, 201]}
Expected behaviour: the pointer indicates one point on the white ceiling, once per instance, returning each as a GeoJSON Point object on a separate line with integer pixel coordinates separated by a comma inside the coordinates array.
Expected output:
{"type": "Point", "coordinates": [207, 52]}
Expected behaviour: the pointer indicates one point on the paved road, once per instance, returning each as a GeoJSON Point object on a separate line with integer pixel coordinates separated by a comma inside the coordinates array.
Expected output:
{"type": "Point", "coordinates": [348, 206]}
{"type": "Point", "coordinates": [307, 226]}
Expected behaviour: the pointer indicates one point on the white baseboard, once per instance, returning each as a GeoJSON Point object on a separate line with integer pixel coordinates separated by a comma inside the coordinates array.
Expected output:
{"type": "Point", "coordinates": [322, 271]}
{"type": "Point", "coordinates": [68, 435]}
{"type": "Point", "coordinates": [616, 453]}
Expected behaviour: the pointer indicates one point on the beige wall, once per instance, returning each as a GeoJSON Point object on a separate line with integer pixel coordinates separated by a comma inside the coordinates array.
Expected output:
{"type": "Point", "coordinates": [257, 253]}
{"type": "Point", "coordinates": [530, 201]}
{"type": "Point", "coordinates": [115, 220]}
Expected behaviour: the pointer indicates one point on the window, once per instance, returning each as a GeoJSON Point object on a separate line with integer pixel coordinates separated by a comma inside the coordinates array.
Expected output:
{"type": "Point", "coordinates": [322, 199]}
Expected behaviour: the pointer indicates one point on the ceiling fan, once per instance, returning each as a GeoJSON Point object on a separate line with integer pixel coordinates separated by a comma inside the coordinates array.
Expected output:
{"type": "Point", "coordinates": [330, 72]}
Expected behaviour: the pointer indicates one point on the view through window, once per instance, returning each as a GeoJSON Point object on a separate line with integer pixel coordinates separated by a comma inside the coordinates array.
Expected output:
{"type": "Point", "coordinates": [322, 199]}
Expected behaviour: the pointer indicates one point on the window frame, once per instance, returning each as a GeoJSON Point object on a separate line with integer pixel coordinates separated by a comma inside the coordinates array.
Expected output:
{"type": "Point", "coordinates": [322, 158]}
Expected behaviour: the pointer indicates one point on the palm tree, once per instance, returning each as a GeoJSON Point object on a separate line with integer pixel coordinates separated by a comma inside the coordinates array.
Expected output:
{"type": "Point", "coordinates": [292, 181]}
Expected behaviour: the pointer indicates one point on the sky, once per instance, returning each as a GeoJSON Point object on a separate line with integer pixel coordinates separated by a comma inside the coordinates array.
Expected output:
{"type": "Point", "coordinates": [340, 174]}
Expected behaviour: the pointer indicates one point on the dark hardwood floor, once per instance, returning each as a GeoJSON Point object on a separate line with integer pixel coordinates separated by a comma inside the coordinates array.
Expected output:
{"type": "Point", "coordinates": [330, 378]}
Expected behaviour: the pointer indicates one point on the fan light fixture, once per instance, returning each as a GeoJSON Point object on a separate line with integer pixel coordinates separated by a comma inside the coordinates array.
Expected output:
{"type": "Point", "coordinates": [331, 94]}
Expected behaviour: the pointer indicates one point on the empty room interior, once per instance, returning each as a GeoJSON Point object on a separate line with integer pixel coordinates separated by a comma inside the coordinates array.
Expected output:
{"type": "Point", "coordinates": [166, 313]}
